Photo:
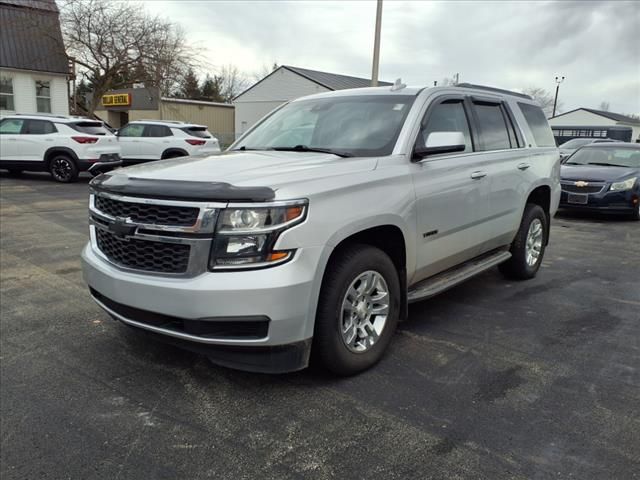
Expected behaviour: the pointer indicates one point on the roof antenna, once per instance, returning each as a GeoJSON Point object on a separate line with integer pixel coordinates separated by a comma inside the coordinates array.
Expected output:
{"type": "Point", "coordinates": [398, 85]}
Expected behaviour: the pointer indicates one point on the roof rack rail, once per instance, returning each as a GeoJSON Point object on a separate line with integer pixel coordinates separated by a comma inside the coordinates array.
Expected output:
{"type": "Point", "coordinates": [42, 115]}
{"type": "Point", "coordinates": [177, 122]}
{"type": "Point", "coordinates": [492, 89]}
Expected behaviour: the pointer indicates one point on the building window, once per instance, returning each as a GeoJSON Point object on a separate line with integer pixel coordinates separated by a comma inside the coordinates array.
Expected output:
{"type": "Point", "coordinates": [6, 93]}
{"type": "Point", "coordinates": [43, 96]}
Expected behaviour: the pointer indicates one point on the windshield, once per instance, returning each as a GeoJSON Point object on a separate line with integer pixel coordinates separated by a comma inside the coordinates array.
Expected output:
{"type": "Point", "coordinates": [617, 157]}
{"type": "Point", "coordinates": [359, 125]}
{"type": "Point", "coordinates": [575, 143]}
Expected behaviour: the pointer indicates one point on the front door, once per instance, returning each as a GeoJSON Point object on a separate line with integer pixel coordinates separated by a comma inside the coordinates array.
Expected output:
{"type": "Point", "coordinates": [9, 132]}
{"type": "Point", "coordinates": [451, 193]}
{"type": "Point", "coordinates": [129, 140]}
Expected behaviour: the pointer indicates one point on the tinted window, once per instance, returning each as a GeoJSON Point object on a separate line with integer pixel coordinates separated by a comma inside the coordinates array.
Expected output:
{"type": "Point", "coordinates": [538, 124]}
{"type": "Point", "coordinates": [11, 125]}
{"type": "Point", "coordinates": [448, 116]}
{"type": "Point", "coordinates": [39, 127]}
{"type": "Point", "coordinates": [92, 128]}
{"type": "Point", "coordinates": [133, 130]}
{"type": "Point", "coordinates": [157, 131]}
{"type": "Point", "coordinates": [200, 132]}
{"type": "Point", "coordinates": [493, 128]}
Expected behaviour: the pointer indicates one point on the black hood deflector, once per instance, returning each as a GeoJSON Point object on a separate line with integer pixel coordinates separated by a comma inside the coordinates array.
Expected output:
{"type": "Point", "coordinates": [180, 189]}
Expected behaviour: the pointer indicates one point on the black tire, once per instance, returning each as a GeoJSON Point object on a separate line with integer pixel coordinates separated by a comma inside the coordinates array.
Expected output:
{"type": "Point", "coordinates": [636, 214]}
{"type": "Point", "coordinates": [172, 154]}
{"type": "Point", "coordinates": [63, 169]}
{"type": "Point", "coordinates": [329, 350]}
{"type": "Point", "coordinates": [14, 172]}
{"type": "Point", "coordinates": [517, 267]}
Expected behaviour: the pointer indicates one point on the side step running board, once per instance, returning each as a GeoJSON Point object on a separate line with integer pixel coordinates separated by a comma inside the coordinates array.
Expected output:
{"type": "Point", "coordinates": [445, 280]}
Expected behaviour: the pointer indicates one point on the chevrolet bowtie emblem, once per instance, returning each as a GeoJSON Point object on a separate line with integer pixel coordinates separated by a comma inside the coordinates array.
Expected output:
{"type": "Point", "coordinates": [580, 183]}
{"type": "Point", "coordinates": [120, 229]}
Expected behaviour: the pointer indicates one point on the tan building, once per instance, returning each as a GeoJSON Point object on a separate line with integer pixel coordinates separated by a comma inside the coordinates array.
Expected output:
{"type": "Point", "coordinates": [122, 106]}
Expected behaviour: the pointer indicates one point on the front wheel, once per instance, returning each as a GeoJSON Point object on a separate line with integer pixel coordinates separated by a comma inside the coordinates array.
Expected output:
{"type": "Point", "coordinates": [63, 169]}
{"type": "Point", "coordinates": [358, 310]}
{"type": "Point", "coordinates": [528, 247]}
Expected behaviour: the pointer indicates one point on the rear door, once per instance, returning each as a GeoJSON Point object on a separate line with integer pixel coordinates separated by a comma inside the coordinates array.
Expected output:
{"type": "Point", "coordinates": [9, 132]}
{"type": "Point", "coordinates": [451, 192]}
{"type": "Point", "coordinates": [36, 138]}
{"type": "Point", "coordinates": [505, 160]}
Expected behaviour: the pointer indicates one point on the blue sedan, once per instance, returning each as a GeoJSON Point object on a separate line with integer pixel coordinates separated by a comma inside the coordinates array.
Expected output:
{"type": "Point", "coordinates": [602, 177]}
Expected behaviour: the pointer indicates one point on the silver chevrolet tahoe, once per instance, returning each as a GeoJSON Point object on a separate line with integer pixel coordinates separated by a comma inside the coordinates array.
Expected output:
{"type": "Point", "coordinates": [308, 238]}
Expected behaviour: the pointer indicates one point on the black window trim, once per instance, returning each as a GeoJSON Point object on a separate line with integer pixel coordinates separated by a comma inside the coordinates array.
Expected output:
{"type": "Point", "coordinates": [470, 122]}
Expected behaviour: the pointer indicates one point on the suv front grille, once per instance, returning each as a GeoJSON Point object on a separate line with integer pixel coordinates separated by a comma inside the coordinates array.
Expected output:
{"type": "Point", "coordinates": [148, 213]}
{"type": "Point", "coordinates": [144, 255]}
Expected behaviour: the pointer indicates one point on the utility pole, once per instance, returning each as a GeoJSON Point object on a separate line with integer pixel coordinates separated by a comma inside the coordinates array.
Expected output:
{"type": "Point", "coordinates": [559, 80]}
{"type": "Point", "coordinates": [376, 46]}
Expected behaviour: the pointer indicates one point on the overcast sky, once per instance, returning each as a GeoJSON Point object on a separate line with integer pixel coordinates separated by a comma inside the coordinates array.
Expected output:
{"type": "Point", "coordinates": [594, 44]}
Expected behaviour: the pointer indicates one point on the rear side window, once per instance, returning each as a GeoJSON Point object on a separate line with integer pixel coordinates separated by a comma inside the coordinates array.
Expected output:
{"type": "Point", "coordinates": [200, 132]}
{"type": "Point", "coordinates": [157, 131]}
{"type": "Point", "coordinates": [11, 126]}
{"type": "Point", "coordinates": [494, 132]}
{"type": "Point", "coordinates": [39, 127]}
{"type": "Point", "coordinates": [538, 125]}
{"type": "Point", "coordinates": [92, 128]}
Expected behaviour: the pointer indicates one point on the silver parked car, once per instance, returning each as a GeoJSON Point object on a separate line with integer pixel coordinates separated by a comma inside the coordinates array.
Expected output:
{"type": "Point", "coordinates": [313, 232]}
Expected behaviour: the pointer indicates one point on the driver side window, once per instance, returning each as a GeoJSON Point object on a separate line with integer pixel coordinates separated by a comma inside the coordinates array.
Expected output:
{"type": "Point", "coordinates": [134, 130]}
{"type": "Point", "coordinates": [448, 116]}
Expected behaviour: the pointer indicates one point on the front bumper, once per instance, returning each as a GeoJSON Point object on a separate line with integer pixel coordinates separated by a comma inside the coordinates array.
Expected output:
{"type": "Point", "coordinates": [285, 295]}
{"type": "Point", "coordinates": [606, 201]}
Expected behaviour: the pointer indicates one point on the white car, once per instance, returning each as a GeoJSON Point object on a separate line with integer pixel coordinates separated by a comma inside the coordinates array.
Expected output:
{"type": "Point", "coordinates": [61, 145]}
{"type": "Point", "coordinates": [148, 140]}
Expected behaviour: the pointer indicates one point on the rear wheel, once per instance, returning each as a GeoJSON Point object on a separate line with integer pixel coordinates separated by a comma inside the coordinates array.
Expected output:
{"type": "Point", "coordinates": [358, 310]}
{"type": "Point", "coordinates": [528, 247]}
{"type": "Point", "coordinates": [63, 169]}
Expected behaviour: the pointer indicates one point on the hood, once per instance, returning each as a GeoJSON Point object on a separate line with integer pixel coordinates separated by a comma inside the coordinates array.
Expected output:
{"type": "Point", "coordinates": [596, 173]}
{"type": "Point", "coordinates": [241, 170]}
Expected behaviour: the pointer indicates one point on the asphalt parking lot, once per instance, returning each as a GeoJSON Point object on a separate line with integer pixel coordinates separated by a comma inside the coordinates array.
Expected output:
{"type": "Point", "coordinates": [491, 380]}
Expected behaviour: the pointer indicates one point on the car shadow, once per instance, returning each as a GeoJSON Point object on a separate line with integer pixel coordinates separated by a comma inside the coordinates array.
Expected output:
{"type": "Point", "coordinates": [593, 216]}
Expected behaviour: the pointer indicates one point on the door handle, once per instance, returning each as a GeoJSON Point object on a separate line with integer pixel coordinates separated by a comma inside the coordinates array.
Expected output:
{"type": "Point", "coordinates": [523, 166]}
{"type": "Point", "coordinates": [478, 175]}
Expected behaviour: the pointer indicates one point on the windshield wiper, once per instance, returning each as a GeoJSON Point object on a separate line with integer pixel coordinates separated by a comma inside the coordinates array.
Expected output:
{"type": "Point", "coordinates": [605, 164]}
{"type": "Point", "coordinates": [305, 148]}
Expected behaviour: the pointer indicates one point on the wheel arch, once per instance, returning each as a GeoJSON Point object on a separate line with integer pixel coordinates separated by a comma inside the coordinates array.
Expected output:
{"type": "Point", "coordinates": [390, 237]}
{"type": "Point", "coordinates": [51, 152]}
{"type": "Point", "coordinates": [173, 150]}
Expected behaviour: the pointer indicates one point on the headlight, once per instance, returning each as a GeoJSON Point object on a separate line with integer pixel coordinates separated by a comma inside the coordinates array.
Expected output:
{"type": "Point", "coordinates": [245, 237]}
{"type": "Point", "coordinates": [624, 185]}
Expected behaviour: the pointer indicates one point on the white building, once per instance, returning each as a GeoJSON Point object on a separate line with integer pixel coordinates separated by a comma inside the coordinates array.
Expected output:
{"type": "Point", "coordinates": [33, 64]}
{"type": "Point", "coordinates": [588, 117]}
{"type": "Point", "coordinates": [284, 84]}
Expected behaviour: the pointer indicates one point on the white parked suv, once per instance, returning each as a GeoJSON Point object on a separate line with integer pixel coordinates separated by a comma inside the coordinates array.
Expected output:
{"type": "Point", "coordinates": [61, 145]}
{"type": "Point", "coordinates": [147, 140]}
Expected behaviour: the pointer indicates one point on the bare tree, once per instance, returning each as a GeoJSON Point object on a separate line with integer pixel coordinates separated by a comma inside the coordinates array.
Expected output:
{"type": "Point", "coordinates": [544, 98]}
{"type": "Point", "coordinates": [231, 82]}
{"type": "Point", "coordinates": [118, 44]}
{"type": "Point", "coordinates": [604, 106]}
{"type": "Point", "coordinates": [263, 71]}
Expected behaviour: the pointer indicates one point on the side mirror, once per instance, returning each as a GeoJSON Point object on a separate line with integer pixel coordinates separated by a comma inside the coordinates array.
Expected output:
{"type": "Point", "coordinates": [441, 142]}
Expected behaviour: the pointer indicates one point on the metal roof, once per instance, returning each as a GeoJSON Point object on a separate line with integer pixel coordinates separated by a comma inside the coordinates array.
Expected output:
{"type": "Point", "coordinates": [618, 117]}
{"type": "Point", "coordinates": [333, 81]}
{"type": "Point", "coordinates": [30, 36]}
